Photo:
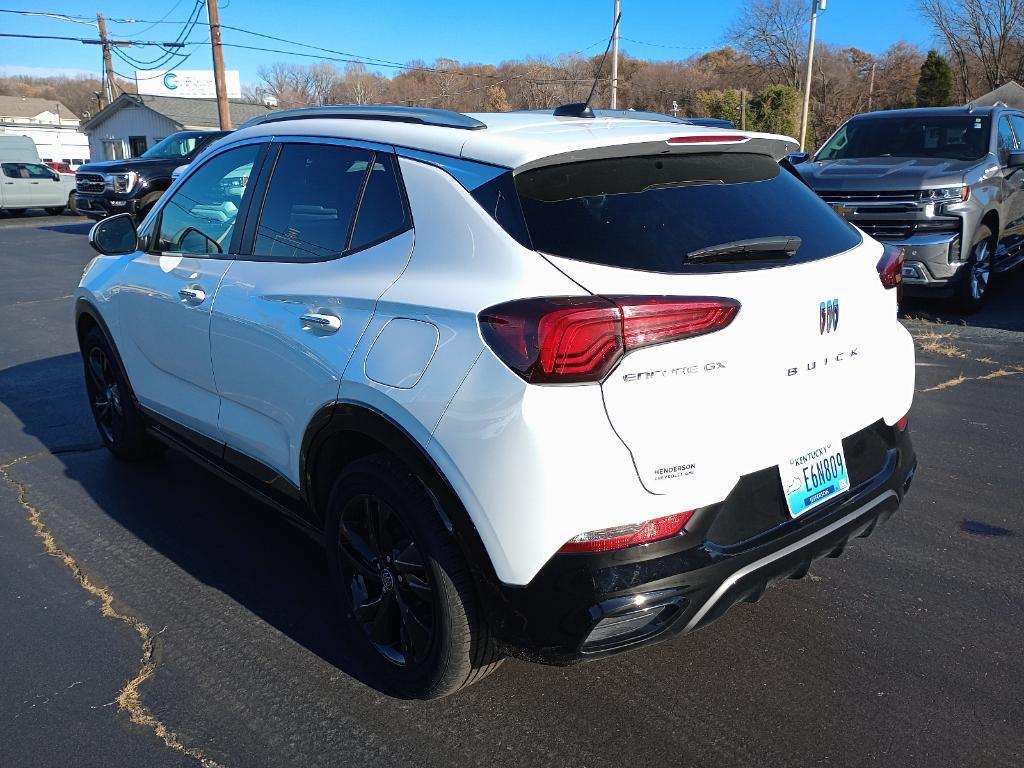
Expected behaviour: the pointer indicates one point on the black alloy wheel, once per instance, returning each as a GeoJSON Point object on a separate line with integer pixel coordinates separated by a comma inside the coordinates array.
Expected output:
{"type": "Point", "coordinates": [392, 596]}
{"type": "Point", "coordinates": [104, 396]}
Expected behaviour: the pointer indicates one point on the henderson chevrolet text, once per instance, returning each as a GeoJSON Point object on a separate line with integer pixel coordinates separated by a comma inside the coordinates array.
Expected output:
{"type": "Point", "coordinates": [551, 385]}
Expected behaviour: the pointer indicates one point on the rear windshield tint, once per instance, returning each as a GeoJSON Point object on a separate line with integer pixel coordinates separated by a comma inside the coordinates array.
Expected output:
{"type": "Point", "coordinates": [672, 213]}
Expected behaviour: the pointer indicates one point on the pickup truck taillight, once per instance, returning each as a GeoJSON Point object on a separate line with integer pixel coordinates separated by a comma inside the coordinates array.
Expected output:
{"type": "Point", "coordinates": [580, 339]}
{"type": "Point", "coordinates": [890, 267]}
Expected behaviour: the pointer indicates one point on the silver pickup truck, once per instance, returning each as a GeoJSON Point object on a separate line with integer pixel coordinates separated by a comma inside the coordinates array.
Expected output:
{"type": "Point", "coordinates": [946, 184]}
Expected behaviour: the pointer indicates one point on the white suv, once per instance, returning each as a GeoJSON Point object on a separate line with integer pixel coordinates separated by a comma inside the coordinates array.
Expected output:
{"type": "Point", "coordinates": [547, 385]}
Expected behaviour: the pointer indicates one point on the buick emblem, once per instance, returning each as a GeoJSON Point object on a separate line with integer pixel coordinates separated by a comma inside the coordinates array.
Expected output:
{"type": "Point", "coordinates": [828, 316]}
{"type": "Point", "coordinates": [387, 581]}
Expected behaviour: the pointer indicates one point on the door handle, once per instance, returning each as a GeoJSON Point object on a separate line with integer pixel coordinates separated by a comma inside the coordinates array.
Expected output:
{"type": "Point", "coordinates": [320, 321]}
{"type": "Point", "coordinates": [192, 294]}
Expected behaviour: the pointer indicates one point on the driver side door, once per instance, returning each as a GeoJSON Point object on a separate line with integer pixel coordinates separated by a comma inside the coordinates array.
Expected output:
{"type": "Point", "coordinates": [167, 292]}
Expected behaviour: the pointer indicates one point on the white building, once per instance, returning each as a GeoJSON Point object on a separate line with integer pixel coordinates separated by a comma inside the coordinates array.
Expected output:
{"type": "Point", "coordinates": [133, 123]}
{"type": "Point", "coordinates": [53, 127]}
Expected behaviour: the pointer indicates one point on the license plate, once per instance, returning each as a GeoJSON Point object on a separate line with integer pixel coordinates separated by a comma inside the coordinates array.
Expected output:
{"type": "Point", "coordinates": [814, 477]}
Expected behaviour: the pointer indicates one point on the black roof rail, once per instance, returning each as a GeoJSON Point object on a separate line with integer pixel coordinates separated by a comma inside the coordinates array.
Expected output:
{"type": "Point", "coordinates": [440, 117]}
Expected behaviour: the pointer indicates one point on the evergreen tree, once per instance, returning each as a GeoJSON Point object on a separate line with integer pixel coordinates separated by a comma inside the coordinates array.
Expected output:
{"type": "Point", "coordinates": [935, 86]}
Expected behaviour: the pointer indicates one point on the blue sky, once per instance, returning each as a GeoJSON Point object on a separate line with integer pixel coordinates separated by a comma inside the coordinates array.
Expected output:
{"type": "Point", "coordinates": [400, 30]}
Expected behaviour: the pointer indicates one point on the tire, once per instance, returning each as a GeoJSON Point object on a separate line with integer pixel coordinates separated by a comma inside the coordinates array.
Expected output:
{"type": "Point", "coordinates": [976, 281]}
{"type": "Point", "coordinates": [55, 211]}
{"type": "Point", "coordinates": [73, 203]}
{"type": "Point", "coordinates": [402, 583]}
{"type": "Point", "coordinates": [113, 406]}
{"type": "Point", "coordinates": [17, 212]}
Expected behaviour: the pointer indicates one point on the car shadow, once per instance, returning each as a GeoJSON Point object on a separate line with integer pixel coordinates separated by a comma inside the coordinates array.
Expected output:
{"type": "Point", "coordinates": [1003, 309]}
{"type": "Point", "coordinates": [217, 533]}
{"type": "Point", "coordinates": [79, 227]}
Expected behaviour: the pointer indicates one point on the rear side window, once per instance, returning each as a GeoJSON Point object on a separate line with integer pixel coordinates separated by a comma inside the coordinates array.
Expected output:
{"type": "Point", "coordinates": [708, 212]}
{"type": "Point", "coordinates": [310, 202]}
{"type": "Point", "coordinates": [382, 209]}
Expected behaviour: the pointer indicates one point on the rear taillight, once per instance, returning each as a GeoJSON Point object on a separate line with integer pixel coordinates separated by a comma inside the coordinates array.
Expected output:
{"type": "Point", "coordinates": [901, 425]}
{"type": "Point", "coordinates": [890, 267]}
{"type": "Point", "coordinates": [623, 536]}
{"type": "Point", "coordinates": [570, 340]}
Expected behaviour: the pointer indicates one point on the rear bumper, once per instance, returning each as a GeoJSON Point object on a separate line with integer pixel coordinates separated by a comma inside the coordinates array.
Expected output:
{"type": "Point", "coordinates": [97, 207]}
{"type": "Point", "coordinates": [581, 607]}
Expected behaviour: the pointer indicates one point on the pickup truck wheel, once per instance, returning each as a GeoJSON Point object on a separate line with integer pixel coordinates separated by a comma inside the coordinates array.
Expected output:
{"type": "Point", "coordinates": [73, 203]}
{"type": "Point", "coordinates": [977, 279]}
{"type": "Point", "coordinates": [403, 584]}
{"type": "Point", "coordinates": [16, 211]}
{"type": "Point", "coordinates": [113, 407]}
{"type": "Point", "coordinates": [55, 211]}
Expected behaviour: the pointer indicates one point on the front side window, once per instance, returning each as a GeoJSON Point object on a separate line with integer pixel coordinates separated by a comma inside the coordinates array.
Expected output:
{"type": "Point", "coordinates": [311, 201]}
{"type": "Point", "coordinates": [200, 216]}
{"type": "Point", "coordinates": [36, 171]}
{"type": "Point", "coordinates": [953, 137]}
{"type": "Point", "coordinates": [680, 213]}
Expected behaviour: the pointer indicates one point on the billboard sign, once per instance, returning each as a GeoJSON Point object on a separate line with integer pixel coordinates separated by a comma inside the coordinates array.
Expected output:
{"type": "Point", "coordinates": [186, 83]}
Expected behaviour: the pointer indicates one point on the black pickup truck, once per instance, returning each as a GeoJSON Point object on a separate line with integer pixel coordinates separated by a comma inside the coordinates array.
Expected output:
{"type": "Point", "coordinates": [133, 185]}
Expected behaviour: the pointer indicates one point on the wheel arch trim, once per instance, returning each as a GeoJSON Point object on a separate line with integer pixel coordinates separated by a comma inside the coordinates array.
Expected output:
{"type": "Point", "coordinates": [342, 416]}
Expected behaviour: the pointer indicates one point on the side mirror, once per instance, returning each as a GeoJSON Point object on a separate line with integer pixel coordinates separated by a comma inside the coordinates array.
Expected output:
{"type": "Point", "coordinates": [54, 176]}
{"type": "Point", "coordinates": [178, 171]}
{"type": "Point", "coordinates": [798, 157]}
{"type": "Point", "coordinates": [114, 236]}
{"type": "Point", "coordinates": [1015, 158]}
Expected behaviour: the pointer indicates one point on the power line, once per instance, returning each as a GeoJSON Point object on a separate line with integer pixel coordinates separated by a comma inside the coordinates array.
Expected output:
{"type": "Point", "coordinates": [169, 55]}
{"type": "Point", "coordinates": [90, 41]}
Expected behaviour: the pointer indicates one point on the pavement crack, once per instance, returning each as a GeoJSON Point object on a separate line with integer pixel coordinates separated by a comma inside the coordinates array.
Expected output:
{"type": "Point", "coordinates": [129, 699]}
{"type": "Point", "coordinates": [955, 382]}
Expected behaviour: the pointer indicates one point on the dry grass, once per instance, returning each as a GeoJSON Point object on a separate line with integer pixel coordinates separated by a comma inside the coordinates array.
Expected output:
{"type": "Point", "coordinates": [938, 344]}
{"type": "Point", "coordinates": [947, 384]}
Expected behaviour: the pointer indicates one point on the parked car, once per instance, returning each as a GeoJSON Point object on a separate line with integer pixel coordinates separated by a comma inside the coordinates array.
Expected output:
{"type": "Point", "coordinates": [34, 185]}
{"type": "Point", "coordinates": [945, 184]}
{"type": "Point", "coordinates": [134, 185]}
{"type": "Point", "coordinates": [59, 167]}
{"type": "Point", "coordinates": [525, 405]}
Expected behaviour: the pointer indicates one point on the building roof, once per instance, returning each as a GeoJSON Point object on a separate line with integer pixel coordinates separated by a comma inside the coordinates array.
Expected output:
{"type": "Point", "coordinates": [1009, 93]}
{"type": "Point", "coordinates": [186, 113]}
{"type": "Point", "coordinates": [524, 139]}
{"type": "Point", "coordinates": [23, 106]}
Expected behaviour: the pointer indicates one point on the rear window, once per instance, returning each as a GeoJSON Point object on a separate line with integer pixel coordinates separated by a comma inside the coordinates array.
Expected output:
{"type": "Point", "coordinates": [707, 212]}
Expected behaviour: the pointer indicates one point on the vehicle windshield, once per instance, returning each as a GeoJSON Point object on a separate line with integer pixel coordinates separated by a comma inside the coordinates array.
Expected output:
{"type": "Point", "coordinates": [177, 145]}
{"type": "Point", "coordinates": [953, 137]}
{"type": "Point", "coordinates": [706, 212]}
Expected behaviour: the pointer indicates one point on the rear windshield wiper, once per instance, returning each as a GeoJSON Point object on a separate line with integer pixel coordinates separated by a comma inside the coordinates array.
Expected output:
{"type": "Point", "coordinates": [747, 250]}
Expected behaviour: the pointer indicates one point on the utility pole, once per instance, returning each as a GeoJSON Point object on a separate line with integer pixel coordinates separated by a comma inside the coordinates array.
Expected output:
{"type": "Point", "coordinates": [223, 110]}
{"type": "Point", "coordinates": [871, 85]}
{"type": "Point", "coordinates": [743, 109]}
{"type": "Point", "coordinates": [807, 79]}
{"type": "Point", "coordinates": [108, 65]}
{"type": "Point", "coordinates": [615, 57]}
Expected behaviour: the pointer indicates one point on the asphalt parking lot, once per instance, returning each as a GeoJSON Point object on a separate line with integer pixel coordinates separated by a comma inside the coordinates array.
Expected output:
{"type": "Point", "coordinates": [152, 615]}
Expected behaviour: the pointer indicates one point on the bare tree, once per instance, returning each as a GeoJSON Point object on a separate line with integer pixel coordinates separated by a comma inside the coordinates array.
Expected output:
{"type": "Point", "coordinates": [324, 78]}
{"type": "Point", "coordinates": [771, 32]}
{"type": "Point", "coordinates": [983, 35]}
